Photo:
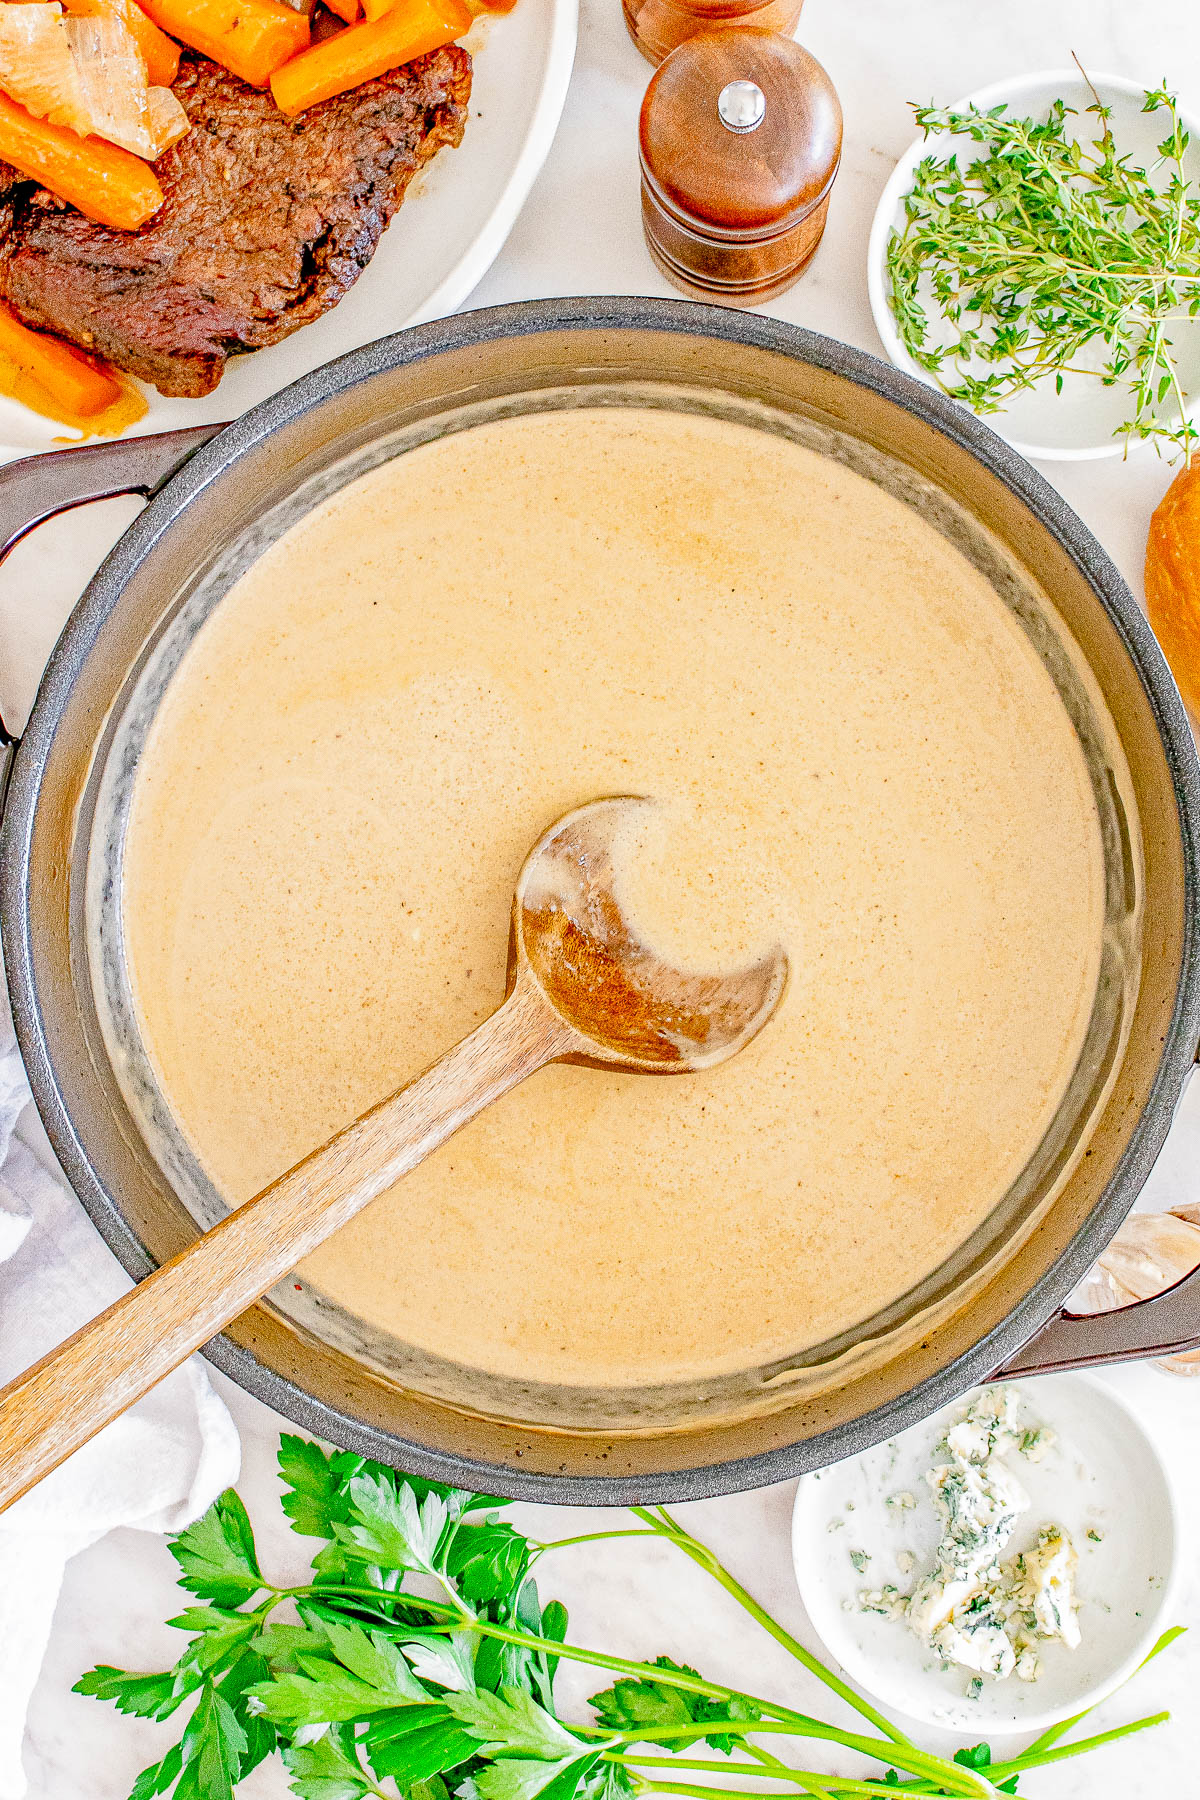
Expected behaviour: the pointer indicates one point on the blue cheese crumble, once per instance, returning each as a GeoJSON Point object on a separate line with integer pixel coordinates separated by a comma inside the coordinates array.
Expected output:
{"type": "Point", "coordinates": [975, 1608]}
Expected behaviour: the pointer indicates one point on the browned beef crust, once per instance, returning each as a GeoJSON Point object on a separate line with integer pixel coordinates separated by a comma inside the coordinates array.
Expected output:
{"type": "Point", "coordinates": [265, 222]}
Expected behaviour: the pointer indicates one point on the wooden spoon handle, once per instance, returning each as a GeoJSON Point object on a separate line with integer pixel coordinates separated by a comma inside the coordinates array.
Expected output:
{"type": "Point", "coordinates": [69, 1395]}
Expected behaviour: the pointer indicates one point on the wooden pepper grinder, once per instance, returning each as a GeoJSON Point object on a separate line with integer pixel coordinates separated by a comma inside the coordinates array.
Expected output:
{"type": "Point", "coordinates": [741, 134]}
{"type": "Point", "coordinates": [657, 26]}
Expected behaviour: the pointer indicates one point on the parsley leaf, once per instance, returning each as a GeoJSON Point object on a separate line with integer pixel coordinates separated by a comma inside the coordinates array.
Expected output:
{"type": "Point", "coordinates": [216, 1555]}
{"type": "Point", "coordinates": [646, 1705]}
{"type": "Point", "coordinates": [359, 1673]}
{"type": "Point", "coordinates": [218, 1635]}
{"type": "Point", "coordinates": [237, 1686]}
{"type": "Point", "coordinates": [321, 1691]}
{"type": "Point", "coordinates": [608, 1782]}
{"type": "Point", "coordinates": [978, 1756]}
{"type": "Point", "coordinates": [327, 1769]}
{"type": "Point", "coordinates": [447, 1661]}
{"type": "Point", "coordinates": [317, 1694]}
{"type": "Point", "coordinates": [313, 1488]}
{"type": "Point", "coordinates": [391, 1528]}
{"type": "Point", "coordinates": [499, 1665]}
{"type": "Point", "coordinates": [488, 1560]}
{"type": "Point", "coordinates": [418, 1743]}
{"type": "Point", "coordinates": [159, 1776]}
{"type": "Point", "coordinates": [522, 1779]}
{"type": "Point", "coordinates": [211, 1747]}
{"type": "Point", "coordinates": [146, 1696]}
{"type": "Point", "coordinates": [511, 1723]}
{"type": "Point", "coordinates": [374, 1659]}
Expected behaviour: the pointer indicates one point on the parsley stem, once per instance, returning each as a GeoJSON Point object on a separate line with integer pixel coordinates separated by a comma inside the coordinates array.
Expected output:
{"type": "Point", "coordinates": [330, 1591]}
{"type": "Point", "coordinates": [701, 1554]}
{"type": "Point", "coordinates": [700, 1793]}
{"type": "Point", "coordinates": [764, 1755]}
{"type": "Point", "coordinates": [808, 1779]}
{"type": "Point", "coordinates": [835, 1784]}
{"type": "Point", "coordinates": [506, 1634]}
{"type": "Point", "coordinates": [591, 1537]}
{"type": "Point", "coordinates": [821, 1786]}
{"type": "Point", "coordinates": [917, 1762]}
{"type": "Point", "coordinates": [1038, 1759]}
{"type": "Point", "coordinates": [708, 1765]}
{"type": "Point", "coordinates": [1060, 1730]}
{"type": "Point", "coordinates": [816, 1788]}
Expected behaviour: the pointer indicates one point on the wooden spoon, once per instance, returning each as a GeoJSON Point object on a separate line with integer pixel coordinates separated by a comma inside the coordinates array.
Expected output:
{"type": "Point", "coordinates": [581, 988]}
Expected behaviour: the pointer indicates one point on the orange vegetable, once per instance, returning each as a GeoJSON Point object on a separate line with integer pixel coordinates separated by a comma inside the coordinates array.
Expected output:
{"type": "Point", "coordinates": [375, 9]}
{"type": "Point", "coordinates": [252, 38]}
{"type": "Point", "coordinates": [1173, 581]}
{"type": "Point", "coordinates": [347, 10]}
{"type": "Point", "coordinates": [411, 28]}
{"type": "Point", "coordinates": [61, 383]}
{"type": "Point", "coordinates": [160, 54]}
{"type": "Point", "coordinates": [108, 184]}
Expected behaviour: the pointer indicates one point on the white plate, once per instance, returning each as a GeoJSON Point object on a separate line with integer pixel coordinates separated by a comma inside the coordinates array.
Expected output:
{"type": "Point", "coordinates": [1076, 425]}
{"type": "Point", "coordinates": [439, 246]}
{"type": "Point", "coordinates": [1103, 1474]}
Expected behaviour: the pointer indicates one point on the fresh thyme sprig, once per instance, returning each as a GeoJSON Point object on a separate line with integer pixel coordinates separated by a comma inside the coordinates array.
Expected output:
{"type": "Point", "coordinates": [419, 1661]}
{"type": "Point", "coordinates": [1043, 245]}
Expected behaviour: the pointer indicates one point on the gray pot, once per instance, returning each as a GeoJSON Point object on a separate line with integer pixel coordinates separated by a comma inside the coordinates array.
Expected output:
{"type": "Point", "coordinates": [216, 498]}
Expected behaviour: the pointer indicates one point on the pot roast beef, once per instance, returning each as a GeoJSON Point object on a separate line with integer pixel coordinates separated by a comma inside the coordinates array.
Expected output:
{"type": "Point", "coordinates": [265, 223]}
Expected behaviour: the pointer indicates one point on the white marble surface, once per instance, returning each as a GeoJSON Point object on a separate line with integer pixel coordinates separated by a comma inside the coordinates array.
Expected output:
{"type": "Point", "coordinates": [580, 234]}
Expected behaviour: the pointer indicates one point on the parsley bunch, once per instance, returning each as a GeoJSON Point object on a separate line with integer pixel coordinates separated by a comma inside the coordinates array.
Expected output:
{"type": "Point", "coordinates": [419, 1661]}
{"type": "Point", "coordinates": [1042, 245]}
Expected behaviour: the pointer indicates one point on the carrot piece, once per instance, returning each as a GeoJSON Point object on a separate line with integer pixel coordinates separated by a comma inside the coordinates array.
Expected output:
{"type": "Point", "coordinates": [68, 378]}
{"type": "Point", "coordinates": [411, 28]}
{"type": "Point", "coordinates": [62, 384]}
{"type": "Point", "coordinates": [252, 38]}
{"type": "Point", "coordinates": [159, 52]}
{"type": "Point", "coordinates": [347, 10]}
{"type": "Point", "coordinates": [108, 184]}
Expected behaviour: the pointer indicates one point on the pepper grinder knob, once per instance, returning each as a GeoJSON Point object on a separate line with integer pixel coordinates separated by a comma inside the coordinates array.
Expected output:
{"type": "Point", "coordinates": [741, 106]}
{"type": "Point", "coordinates": [740, 139]}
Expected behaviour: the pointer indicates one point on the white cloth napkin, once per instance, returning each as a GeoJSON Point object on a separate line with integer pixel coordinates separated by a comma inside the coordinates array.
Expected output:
{"type": "Point", "coordinates": [157, 1468]}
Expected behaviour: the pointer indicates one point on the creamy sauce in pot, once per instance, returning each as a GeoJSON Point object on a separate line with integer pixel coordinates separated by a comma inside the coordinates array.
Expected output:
{"type": "Point", "coordinates": [858, 751]}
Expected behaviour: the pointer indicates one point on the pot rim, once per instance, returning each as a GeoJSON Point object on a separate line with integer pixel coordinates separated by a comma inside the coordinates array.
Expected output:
{"type": "Point", "coordinates": [1181, 1043]}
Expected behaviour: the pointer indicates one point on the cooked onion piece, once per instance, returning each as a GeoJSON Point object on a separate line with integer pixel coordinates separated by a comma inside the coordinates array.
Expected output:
{"type": "Point", "coordinates": [87, 73]}
{"type": "Point", "coordinates": [168, 121]}
{"type": "Point", "coordinates": [116, 92]}
{"type": "Point", "coordinates": [37, 67]}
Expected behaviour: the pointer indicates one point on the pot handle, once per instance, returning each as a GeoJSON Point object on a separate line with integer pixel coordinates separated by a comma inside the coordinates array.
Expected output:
{"type": "Point", "coordinates": [1166, 1324]}
{"type": "Point", "coordinates": [35, 488]}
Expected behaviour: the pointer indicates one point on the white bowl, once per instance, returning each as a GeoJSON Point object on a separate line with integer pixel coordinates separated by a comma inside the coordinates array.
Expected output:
{"type": "Point", "coordinates": [1103, 1474]}
{"type": "Point", "coordinates": [1076, 425]}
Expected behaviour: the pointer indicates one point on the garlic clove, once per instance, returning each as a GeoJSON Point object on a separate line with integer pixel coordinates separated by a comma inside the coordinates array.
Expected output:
{"type": "Point", "coordinates": [1151, 1252]}
{"type": "Point", "coordinates": [1098, 1292]}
